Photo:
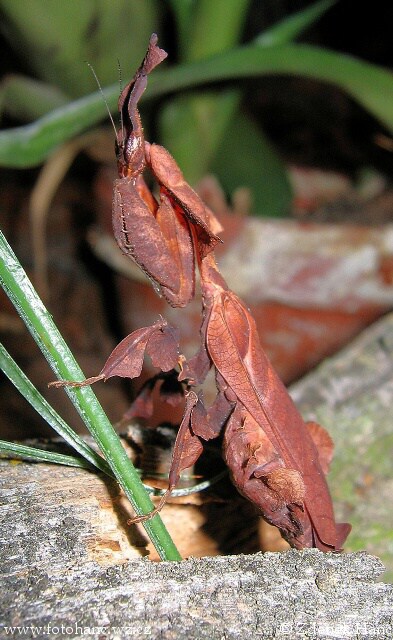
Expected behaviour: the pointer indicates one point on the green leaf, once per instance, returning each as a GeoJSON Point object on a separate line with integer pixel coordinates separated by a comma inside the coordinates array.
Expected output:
{"type": "Point", "coordinates": [215, 27]}
{"type": "Point", "coordinates": [57, 38]}
{"type": "Point", "coordinates": [293, 25]}
{"type": "Point", "coordinates": [246, 159]}
{"type": "Point", "coordinates": [31, 144]}
{"type": "Point", "coordinates": [183, 12]}
{"type": "Point", "coordinates": [369, 84]}
{"type": "Point", "coordinates": [191, 127]}
{"type": "Point", "coordinates": [26, 99]}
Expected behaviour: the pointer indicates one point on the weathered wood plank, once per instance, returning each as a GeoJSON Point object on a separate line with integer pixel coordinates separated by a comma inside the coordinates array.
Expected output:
{"type": "Point", "coordinates": [274, 595]}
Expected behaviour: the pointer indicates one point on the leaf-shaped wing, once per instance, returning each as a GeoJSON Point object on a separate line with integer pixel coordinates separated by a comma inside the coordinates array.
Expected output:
{"type": "Point", "coordinates": [126, 360]}
{"type": "Point", "coordinates": [228, 342]}
{"type": "Point", "coordinates": [233, 345]}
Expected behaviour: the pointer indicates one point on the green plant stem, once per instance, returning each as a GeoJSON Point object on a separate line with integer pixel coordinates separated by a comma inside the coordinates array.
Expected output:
{"type": "Point", "coordinates": [38, 402]}
{"type": "Point", "coordinates": [13, 449]}
{"type": "Point", "coordinates": [41, 325]}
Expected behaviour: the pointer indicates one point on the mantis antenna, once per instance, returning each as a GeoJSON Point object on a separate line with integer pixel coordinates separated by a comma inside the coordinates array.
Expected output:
{"type": "Point", "coordinates": [103, 97]}
{"type": "Point", "coordinates": [120, 91]}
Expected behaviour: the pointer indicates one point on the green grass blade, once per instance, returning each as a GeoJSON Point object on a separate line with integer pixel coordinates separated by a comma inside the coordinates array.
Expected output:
{"type": "Point", "coordinates": [293, 25]}
{"type": "Point", "coordinates": [370, 85]}
{"type": "Point", "coordinates": [12, 449]}
{"type": "Point", "coordinates": [40, 323]}
{"type": "Point", "coordinates": [38, 402]}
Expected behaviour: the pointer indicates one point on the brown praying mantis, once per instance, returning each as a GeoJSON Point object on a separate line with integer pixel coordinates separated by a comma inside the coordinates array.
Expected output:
{"type": "Point", "coordinates": [276, 460]}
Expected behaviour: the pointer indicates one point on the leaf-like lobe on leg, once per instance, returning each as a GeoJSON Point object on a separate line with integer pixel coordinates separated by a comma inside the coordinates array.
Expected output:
{"type": "Point", "coordinates": [207, 424]}
{"type": "Point", "coordinates": [159, 340]}
{"type": "Point", "coordinates": [171, 178]}
{"type": "Point", "coordinates": [126, 360]}
{"type": "Point", "coordinates": [188, 446]}
{"type": "Point", "coordinates": [163, 347]}
{"type": "Point", "coordinates": [323, 443]}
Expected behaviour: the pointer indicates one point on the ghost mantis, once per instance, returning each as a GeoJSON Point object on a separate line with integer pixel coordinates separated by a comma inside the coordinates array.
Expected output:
{"type": "Point", "coordinates": [276, 460]}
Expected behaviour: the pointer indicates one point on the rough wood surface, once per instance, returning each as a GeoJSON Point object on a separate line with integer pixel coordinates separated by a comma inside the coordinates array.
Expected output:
{"type": "Point", "coordinates": [69, 567]}
{"type": "Point", "coordinates": [47, 509]}
{"type": "Point", "coordinates": [275, 595]}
